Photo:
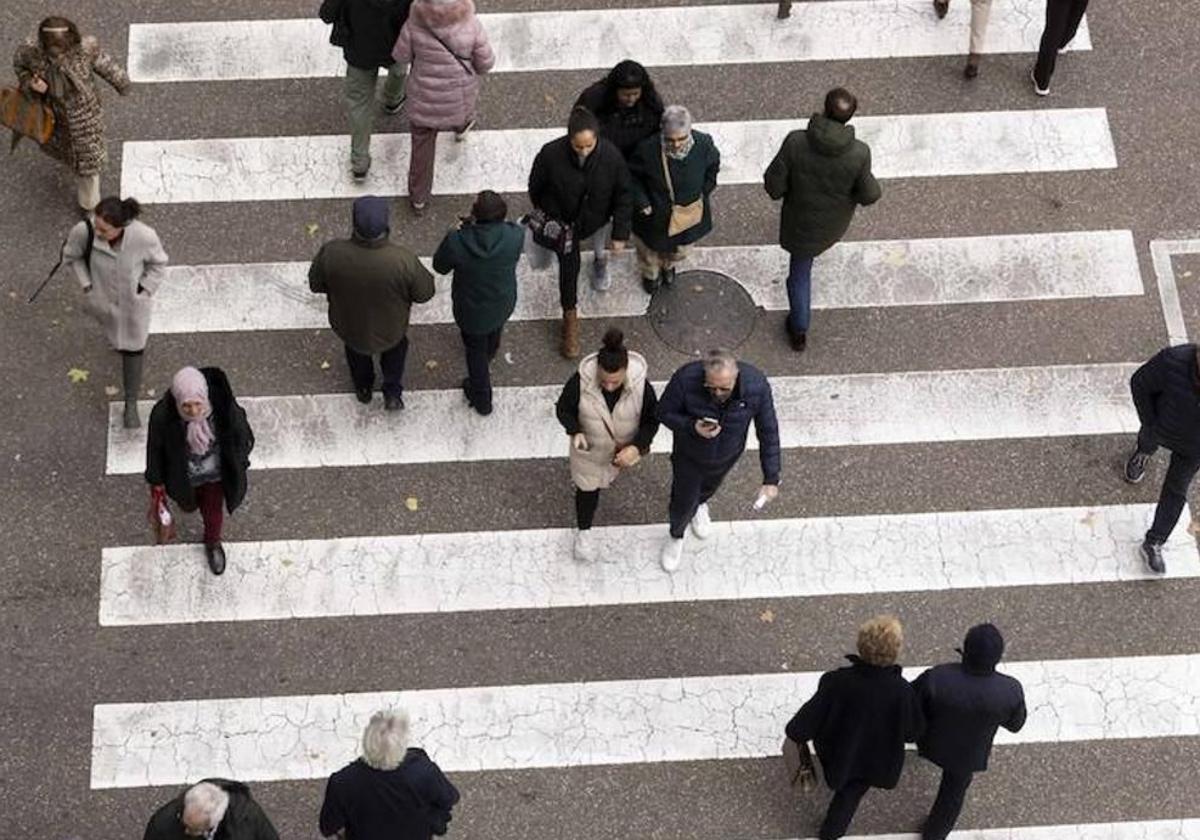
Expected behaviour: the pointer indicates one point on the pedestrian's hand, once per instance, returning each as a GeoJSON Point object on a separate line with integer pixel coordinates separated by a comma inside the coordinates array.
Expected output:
{"type": "Point", "coordinates": [628, 457]}
{"type": "Point", "coordinates": [38, 85]}
{"type": "Point", "coordinates": [618, 245]}
{"type": "Point", "coordinates": [707, 430]}
{"type": "Point", "coordinates": [579, 441]}
{"type": "Point", "coordinates": [646, 211]}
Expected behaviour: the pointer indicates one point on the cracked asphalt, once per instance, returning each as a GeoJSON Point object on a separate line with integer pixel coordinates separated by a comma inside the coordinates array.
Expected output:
{"type": "Point", "coordinates": [58, 508]}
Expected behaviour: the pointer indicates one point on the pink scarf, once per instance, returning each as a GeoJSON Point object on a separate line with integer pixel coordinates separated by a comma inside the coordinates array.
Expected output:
{"type": "Point", "coordinates": [190, 384]}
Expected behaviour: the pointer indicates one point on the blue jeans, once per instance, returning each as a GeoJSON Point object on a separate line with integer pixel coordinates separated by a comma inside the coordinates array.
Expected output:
{"type": "Point", "coordinates": [799, 290]}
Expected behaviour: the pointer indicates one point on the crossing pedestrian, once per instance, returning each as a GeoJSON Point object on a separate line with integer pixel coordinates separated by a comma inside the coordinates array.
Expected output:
{"type": "Point", "coordinates": [822, 173]}
{"type": "Point", "coordinates": [215, 809]}
{"type": "Point", "coordinates": [859, 720]}
{"type": "Point", "coordinates": [62, 65]}
{"type": "Point", "coordinates": [578, 184]}
{"type": "Point", "coordinates": [446, 49]}
{"type": "Point", "coordinates": [608, 409]}
{"type": "Point", "coordinates": [392, 792]}
{"type": "Point", "coordinates": [198, 452]}
{"type": "Point", "coordinates": [1062, 23]}
{"type": "Point", "coordinates": [372, 284]}
{"type": "Point", "coordinates": [709, 405]}
{"type": "Point", "coordinates": [981, 12]}
{"type": "Point", "coordinates": [482, 251]}
{"type": "Point", "coordinates": [1166, 394]}
{"type": "Point", "coordinates": [366, 30]}
{"type": "Point", "coordinates": [963, 704]}
{"type": "Point", "coordinates": [628, 109]}
{"type": "Point", "coordinates": [119, 263]}
{"type": "Point", "coordinates": [674, 173]}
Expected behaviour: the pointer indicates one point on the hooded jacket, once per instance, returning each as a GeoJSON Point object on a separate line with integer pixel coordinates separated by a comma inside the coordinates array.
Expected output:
{"type": "Point", "coordinates": [371, 27]}
{"type": "Point", "coordinates": [684, 401]}
{"type": "Point", "coordinates": [371, 284]}
{"type": "Point", "coordinates": [166, 444]}
{"type": "Point", "coordinates": [964, 703]}
{"type": "Point", "coordinates": [859, 721]}
{"type": "Point", "coordinates": [440, 41]}
{"type": "Point", "coordinates": [586, 195]}
{"type": "Point", "coordinates": [243, 820]}
{"type": "Point", "coordinates": [822, 173]}
{"type": "Point", "coordinates": [623, 127]}
{"type": "Point", "coordinates": [484, 259]}
{"type": "Point", "coordinates": [1166, 393]}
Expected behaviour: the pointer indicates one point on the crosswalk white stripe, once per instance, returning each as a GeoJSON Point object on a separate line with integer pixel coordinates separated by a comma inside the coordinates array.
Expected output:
{"type": "Point", "coordinates": [905, 272]}
{"type": "Point", "coordinates": [1185, 829]}
{"type": "Point", "coordinates": [576, 724]}
{"type": "Point", "coordinates": [589, 38]}
{"type": "Point", "coordinates": [533, 569]}
{"type": "Point", "coordinates": [314, 167]}
{"type": "Point", "coordinates": [322, 430]}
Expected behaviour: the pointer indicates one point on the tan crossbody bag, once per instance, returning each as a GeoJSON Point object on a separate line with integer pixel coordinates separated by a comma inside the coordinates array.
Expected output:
{"type": "Point", "coordinates": [683, 216]}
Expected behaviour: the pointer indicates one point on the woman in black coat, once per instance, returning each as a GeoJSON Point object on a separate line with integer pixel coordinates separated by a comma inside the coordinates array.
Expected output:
{"type": "Point", "coordinates": [859, 721]}
{"type": "Point", "coordinates": [198, 451]}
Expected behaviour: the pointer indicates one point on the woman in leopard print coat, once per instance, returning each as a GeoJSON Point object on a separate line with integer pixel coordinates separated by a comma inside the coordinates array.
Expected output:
{"type": "Point", "coordinates": [63, 65]}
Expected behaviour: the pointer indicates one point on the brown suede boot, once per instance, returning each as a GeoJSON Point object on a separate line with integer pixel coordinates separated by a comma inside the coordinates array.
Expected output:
{"type": "Point", "coordinates": [570, 334]}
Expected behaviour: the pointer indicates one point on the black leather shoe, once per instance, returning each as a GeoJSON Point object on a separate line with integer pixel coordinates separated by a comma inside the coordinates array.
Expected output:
{"type": "Point", "coordinates": [215, 555]}
{"type": "Point", "coordinates": [363, 394]}
{"type": "Point", "coordinates": [940, 7]}
{"type": "Point", "coordinates": [1152, 554]}
{"type": "Point", "coordinates": [392, 403]}
{"type": "Point", "coordinates": [798, 340]}
{"type": "Point", "coordinates": [650, 284]}
{"type": "Point", "coordinates": [668, 276]}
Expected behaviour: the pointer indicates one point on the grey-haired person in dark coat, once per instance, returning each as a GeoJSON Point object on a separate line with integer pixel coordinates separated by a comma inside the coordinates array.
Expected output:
{"type": "Point", "coordinates": [217, 809]}
{"type": "Point", "coordinates": [964, 703]}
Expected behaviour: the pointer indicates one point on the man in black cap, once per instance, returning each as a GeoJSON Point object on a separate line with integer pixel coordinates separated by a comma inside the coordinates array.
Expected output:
{"type": "Point", "coordinates": [964, 703]}
{"type": "Point", "coordinates": [371, 283]}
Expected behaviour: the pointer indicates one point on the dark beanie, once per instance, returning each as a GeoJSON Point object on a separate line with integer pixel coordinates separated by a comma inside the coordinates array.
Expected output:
{"type": "Point", "coordinates": [982, 649]}
{"type": "Point", "coordinates": [371, 217]}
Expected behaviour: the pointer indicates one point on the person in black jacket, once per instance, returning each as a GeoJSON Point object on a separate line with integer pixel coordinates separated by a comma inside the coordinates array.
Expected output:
{"type": "Point", "coordinates": [581, 182]}
{"type": "Point", "coordinates": [1166, 393]}
{"type": "Point", "coordinates": [708, 405]}
{"type": "Point", "coordinates": [198, 448]}
{"type": "Point", "coordinates": [393, 792]}
{"type": "Point", "coordinates": [366, 30]}
{"type": "Point", "coordinates": [217, 809]}
{"type": "Point", "coordinates": [859, 721]}
{"type": "Point", "coordinates": [629, 109]}
{"type": "Point", "coordinates": [964, 703]}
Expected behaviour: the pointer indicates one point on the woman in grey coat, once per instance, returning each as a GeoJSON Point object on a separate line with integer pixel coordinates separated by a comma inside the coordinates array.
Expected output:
{"type": "Point", "coordinates": [119, 277]}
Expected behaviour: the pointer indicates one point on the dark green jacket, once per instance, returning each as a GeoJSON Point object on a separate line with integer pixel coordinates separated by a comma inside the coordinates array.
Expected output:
{"type": "Point", "coordinates": [483, 258]}
{"type": "Point", "coordinates": [822, 173]}
{"type": "Point", "coordinates": [243, 820]}
{"type": "Point", "coordinates": [371, 288]}
{"type": "Point", "coordinates": [692, 177]}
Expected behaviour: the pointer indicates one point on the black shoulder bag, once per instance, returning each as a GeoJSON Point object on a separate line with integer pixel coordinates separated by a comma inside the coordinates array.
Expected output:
{"type": "Point", "coordinates": [87, 258]}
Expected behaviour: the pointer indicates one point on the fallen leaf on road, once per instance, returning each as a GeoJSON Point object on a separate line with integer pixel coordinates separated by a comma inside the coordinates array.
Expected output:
{"type": "Point", "coordinates": [325, 364]}
{"type": "Point", "coordinates": [508, 358]}
{"type": "Point", "coordinates": [896, 257]}
{"type": "Point", "coordinates": [767, 616]}
{"type": "Point", "coordinates": [151, 391]}
{"type": "Point", "coordinates": [311, 228]}
{"type": "Point", "coordinates": [111, 390]}
{"type": "Point", "coordinates": [412, 503]}
{"type": "Point", "coordinates": [77, 375]}
{"type": "Point", "coordinates": [431, 364]}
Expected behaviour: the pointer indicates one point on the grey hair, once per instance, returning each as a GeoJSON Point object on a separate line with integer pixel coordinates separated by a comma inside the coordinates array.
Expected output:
{"type": "Point", "coordinates": [206, 800]}
{"type": "Point", "coordinates": [719, 359]}
{"type": "Point", "coordinates": [676, 119]}
{"type": "Point", "coordinates": [385, 739]}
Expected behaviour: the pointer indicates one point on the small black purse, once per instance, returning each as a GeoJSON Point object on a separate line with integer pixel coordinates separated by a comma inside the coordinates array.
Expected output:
{"type": "Point", "coordinates": [549, 232]}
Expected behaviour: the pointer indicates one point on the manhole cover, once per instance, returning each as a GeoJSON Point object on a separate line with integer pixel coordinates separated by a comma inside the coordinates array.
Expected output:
{"type": "Point", "coordinates": [702, 310]}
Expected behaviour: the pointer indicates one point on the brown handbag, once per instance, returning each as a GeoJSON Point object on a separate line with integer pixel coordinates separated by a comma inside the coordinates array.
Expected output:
{"type": "Point", "coordinates": [683, 216]}
{"type": "Point", "coordinates": [26, 114]}
{"type": "Point", "coordinates": [801, 772]}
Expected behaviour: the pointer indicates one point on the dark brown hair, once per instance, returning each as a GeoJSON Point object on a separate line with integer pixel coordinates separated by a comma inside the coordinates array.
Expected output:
{"type": "Point", "coordinates": [118, 212]}
{"type": "Point", "coordinates": [71, 37]}
{"type": "Point", "coordinates": [489, 206]}
{"type": "Point", "coordinates": [613, 356]}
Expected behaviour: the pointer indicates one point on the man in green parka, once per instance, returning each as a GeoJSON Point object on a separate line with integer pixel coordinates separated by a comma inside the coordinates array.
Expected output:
{"type": "Point", "coordinates": [822, 173]}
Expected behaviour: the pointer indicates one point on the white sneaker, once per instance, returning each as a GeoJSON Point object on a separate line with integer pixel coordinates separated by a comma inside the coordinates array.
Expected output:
{"type": "Point", "coordinates": [1038, 89]}
{"type": "Point", "coordinates": [585, 546]}
{"type": "Point", "coordinates": [702, 523]}
{"type": "Point", "coordinates": [1066, 49]}
{"type": "Point", "coordinates": [672, 554]}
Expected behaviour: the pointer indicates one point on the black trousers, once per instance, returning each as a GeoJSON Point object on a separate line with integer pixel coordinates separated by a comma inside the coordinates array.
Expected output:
{"type": "Point", "coordinates": [1062, 21]}
{"type": "Point", "coordinates": [391, 364]}
{"type": "Point", "coordinates": [948, 805]}
{"type": "Point", "coordinates": [481, 349]}
{"type": "Point", "coordinates": [1173, 496]}
{"type": "Point", "coordinates": [841, 809]}
{"type": "Point", "coordinates": [586, 502]}
{"type": "Point", "coordinates": [691, 486]}
{"type": "Point", "coordinates": [568, 279]}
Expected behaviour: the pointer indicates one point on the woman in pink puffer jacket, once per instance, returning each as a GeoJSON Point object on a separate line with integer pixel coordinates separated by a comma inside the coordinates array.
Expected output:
{"type": "Point", "coordinates": [448, 51]}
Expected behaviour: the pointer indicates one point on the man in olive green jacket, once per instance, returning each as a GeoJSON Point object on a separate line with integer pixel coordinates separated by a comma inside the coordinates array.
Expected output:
{"type": "Point", "coordinates": [822, 173]}
{"type": "Point", "coordinates": [371, 283]}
